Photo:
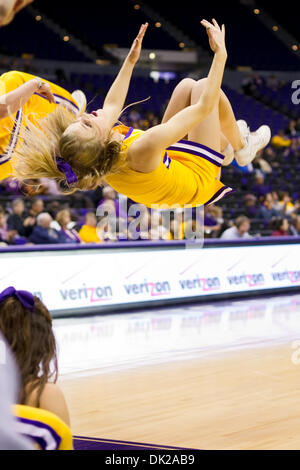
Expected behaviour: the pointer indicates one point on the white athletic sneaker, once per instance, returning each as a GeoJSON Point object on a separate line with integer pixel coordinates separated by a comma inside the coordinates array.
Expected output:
{"type": "Point", "coordinates": [243, 127]}
{"type": "Point", "coordinates": [228, 154]}
{"type": "Point", "coordinates": [255, 141]}
{"type": "Point", "coordinates": [80, 99]}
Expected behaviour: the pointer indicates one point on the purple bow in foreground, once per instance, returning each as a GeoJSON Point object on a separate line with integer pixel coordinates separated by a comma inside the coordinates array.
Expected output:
{"type": "Point", "coordinates": [26, 298]}
{"type": "Point", "coordinates": [65, 168]}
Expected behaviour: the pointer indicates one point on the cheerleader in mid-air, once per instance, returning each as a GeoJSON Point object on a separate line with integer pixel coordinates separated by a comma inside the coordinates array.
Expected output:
{"type": "Point", "coordinates": [177, 162]}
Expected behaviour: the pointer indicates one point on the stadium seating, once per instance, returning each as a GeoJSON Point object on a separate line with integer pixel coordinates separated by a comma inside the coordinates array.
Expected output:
{"type": "Point", "coordinates": [280, 99]}
{"type": "Point", "coordinates": [108, 23]}
{"type": "Point", "coordinates": [112, 23]}
{"type": "Point", "coordinates": [245, 107]}
{"type": "Point", "coordinates": [249, 42]}
{"type": "Point", "coordinates": [284, 13]}
{"type": "Point", "coordinates": [37, 39]}
{"type": "Point", "coordinates": [254, 112]}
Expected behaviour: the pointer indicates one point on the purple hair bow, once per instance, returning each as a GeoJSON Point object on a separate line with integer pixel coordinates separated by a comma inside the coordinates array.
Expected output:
{"type": "Point", "coordinates": [65, 168]}
{"type": "Point", "coordinates": [26, 298]}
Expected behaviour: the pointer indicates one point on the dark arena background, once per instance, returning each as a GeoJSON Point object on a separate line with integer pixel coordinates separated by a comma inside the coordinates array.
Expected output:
{"type": "Point", "coordinates": [164, 342]}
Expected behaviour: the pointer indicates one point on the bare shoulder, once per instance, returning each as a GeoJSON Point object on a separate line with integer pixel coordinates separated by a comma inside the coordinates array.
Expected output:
{"type": "Point", "coordinates": [51, 390]}
{"type": "Point", "coordinates": [53, 399]}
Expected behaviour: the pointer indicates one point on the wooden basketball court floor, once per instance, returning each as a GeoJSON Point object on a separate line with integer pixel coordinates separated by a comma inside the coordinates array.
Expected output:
{"type": "Point", "coordinates": [224, 375]}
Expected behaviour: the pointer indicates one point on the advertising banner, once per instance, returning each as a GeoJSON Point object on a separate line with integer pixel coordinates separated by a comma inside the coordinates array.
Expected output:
{"type": "Point", "coordinates": [94, 279]}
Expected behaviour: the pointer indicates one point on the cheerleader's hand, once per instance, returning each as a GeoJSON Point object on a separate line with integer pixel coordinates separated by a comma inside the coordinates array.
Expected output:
{"type": "Point", "coordinates": [135, 51]}
{"type": "Point", "coordinates": [46, 92]}
{"type": "Point", "coordinates": [216, 36]}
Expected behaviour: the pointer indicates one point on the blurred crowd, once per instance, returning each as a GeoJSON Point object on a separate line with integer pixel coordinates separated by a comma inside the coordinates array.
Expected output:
{"type": "Point", "coordinates": [252, 82]}
{"type": "Point", "coordinates": [38, 214]}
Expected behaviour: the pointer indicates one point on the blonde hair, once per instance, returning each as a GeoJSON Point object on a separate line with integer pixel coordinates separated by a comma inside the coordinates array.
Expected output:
{"type": "Point", "coordinates": [89, 158]}
{"type": "Point", "coordinates": [60, 215]}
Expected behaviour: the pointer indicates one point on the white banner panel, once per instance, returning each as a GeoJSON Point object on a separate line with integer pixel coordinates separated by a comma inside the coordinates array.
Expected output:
{"type": "Point", "coordinates": [78, 279]}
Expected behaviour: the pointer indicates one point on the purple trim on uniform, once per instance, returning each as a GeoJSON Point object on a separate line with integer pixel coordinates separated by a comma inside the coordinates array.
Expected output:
{"type": "Point", "coordinates": [14, 128]}
{"type": "Point", "coordinates": [39, 424]}
{"type": "Point", "coordinates": [59, 96]}
{"type": "Point", "coordinates": [39, 440]}
{"type": "Point", "coordinates": [191, 142]}
{"type": "Point", "coordinates": [167, 160]}
{"type": "Point", "coordinates": [128, 133]}
{"type": "Point", "coordinates": [66, 99]}
{"type": "Point", "coordinates": [218, 193]}
{"type": "Point", "coordinates": [12, 136]}
{"type": "Point", "coordinates": [4, 161]}
{"type": "Point", "coordinates": [193, 152]}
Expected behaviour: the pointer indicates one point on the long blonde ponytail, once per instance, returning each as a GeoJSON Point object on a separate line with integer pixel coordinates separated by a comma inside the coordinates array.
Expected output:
{"type": "Point", "coordinates": [90, 159]}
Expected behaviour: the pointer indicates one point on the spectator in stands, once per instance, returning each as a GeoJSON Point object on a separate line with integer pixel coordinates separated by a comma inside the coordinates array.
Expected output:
{"type": "Point", "coordinates": [251, 209]}
{"type": "Point", "coordinates": [68, 234]}
{"type": "Point", "coordinates": [42, 233]}
{"type": "Point", "coordinates": [257, 80]}
{"type": "Point", "coordinates": [240, 229]}
{"type": "Point", "coordinates": [18, 223]}
{"type": "Point", "coordinates": [280, 227]}
{"type": "Point", "coordinates": [159, 230]}
{"type": "Point", "coordinates": [9, 8]}
{"type": "Point", "coordinates": [110, 197]}
{"type": "Point", "coordinates": [286, 205]}
{"type": "Point", "coordinates": [270, 156]}
{"type": "Point", "coordinates": [3, 227]}
{"type": "Point", "coordinates": [107, 208]}
{"type": "Point", "coordinates": [213, 221]}
{"type": "Point", "coordinates": [268, 210]}
{"type": "Point", "coordinates": [152, 119]}
{"type": "Point", "coordinates": [295, 225]}
{"type": "Point", "coordinates": [297, 127]}
{"type": "Point", "coordinates": [134, 117]}
{"type": "Point", "coordinates": [181, 220]}
{"type": "Point", "coordinates": [273, 83]}
{"type": "Point", "coordinates": [291, 130]}
{"type": "Point", "coordinates": [93, 196]}
{"type": "Point", "coordinates": [280, 140]}
{"type": "Point", "coordinates": [174, 230]}
{"type": "Point", "coordinates": [262, 164]}
{"type": "Point", "coordinates": [296, 207]}
{"type": "Point", "coordinates": [293, 150]}
{"type": "Point", "coordinates": [26, 324]}
{"type": "Point", "coordinates": [53, 207]}
{"type": "Point", "coordinates": [192, 229]}
{"type": "Point", "coordinates": [251, 83]}
{"type": "Point", "coordinates": [109, 229]}
{"type": "Point", "coordinates": [259, 187]}
{"type": "Point", "coordinates": [247, 85]}
{"type": "Point", "coordinates": [88, 232]}
{"type": "Point", "coordinates": [81, 200]}
{"type": "Point", "coordinates": [121, 231]}
{"type": "Point", "coordinates": [140, 229]}
{"type": "Point", "coordinates": [276, 201]}
{"type": "Point", "coordinates": [36, 208]}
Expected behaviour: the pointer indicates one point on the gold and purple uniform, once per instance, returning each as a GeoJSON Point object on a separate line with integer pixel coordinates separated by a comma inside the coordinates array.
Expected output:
{"type": "Point", "coordinates": [36, 108]}
{"type": "Point", "coordinates": [44, 428]}
{"type": "Point", "coordinates": [186, 175]}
